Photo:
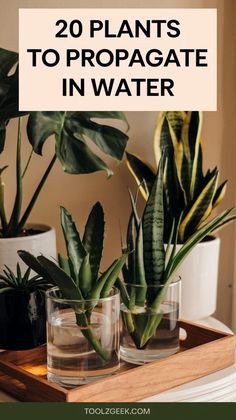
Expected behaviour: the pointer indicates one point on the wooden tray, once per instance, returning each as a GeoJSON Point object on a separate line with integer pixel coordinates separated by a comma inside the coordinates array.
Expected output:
{"type": "Point", "coordinates": [23, 373]}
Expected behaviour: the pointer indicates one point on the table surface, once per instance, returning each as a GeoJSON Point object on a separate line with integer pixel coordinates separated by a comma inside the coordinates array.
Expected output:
{"type": "Point", "coordinates": [219, 386]}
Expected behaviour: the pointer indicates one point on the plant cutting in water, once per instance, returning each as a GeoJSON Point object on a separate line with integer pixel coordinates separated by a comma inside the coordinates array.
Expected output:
{"type": "Point", "coordinates": [187, 190]}
{"type": "Point", "coordinates": [78, 275]}
{"type": "Point", "coordinates": [71, 131]}
{"type": "Point", "coordinates": [152, 265]}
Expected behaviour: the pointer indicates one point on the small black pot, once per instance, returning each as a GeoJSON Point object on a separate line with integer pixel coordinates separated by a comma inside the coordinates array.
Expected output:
{"type": "Point", "coordinates": [22, 320]}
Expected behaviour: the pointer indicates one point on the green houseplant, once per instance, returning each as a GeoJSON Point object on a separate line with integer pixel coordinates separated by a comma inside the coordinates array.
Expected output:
{"type": "Point", "coordinates": [22, 315]}
{"type": "Point", "coordinates": [190, 192]}
{"type": "Point", "coordinates": [187, 189]}
{"type": "Point", "coordinates": [71, 132]}
{"type": "Point", "coordinates": [151, 268]}
{"type": "Point", "coordinates": [88, 292]}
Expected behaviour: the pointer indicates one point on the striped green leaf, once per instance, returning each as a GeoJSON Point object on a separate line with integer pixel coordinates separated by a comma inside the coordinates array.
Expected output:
{"type": "Point", "coordinates": [153, 230]}
{"type": "Point", "coordinates": [198, 212]}
{"type": "Point", "coordinates": [75, 249]}
{"type": "Point", "coordinates": [93, 238]}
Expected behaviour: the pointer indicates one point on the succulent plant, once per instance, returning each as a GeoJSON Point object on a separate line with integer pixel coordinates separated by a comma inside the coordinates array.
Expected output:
{"type": "Point", "coordinates": [78, 275]}
{"type": "Point", "coordinates": [24, 282]}
{"type": "Point", "coordinates": [187, 190]}
{"type": "Point", "coordinates": [152, 263]}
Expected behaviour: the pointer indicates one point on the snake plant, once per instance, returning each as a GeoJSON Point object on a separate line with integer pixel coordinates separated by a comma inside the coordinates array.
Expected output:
{"type": "Point", "coordinates": [187, 189]}
{"type": "Point", "coordinates": [78, 275]}
{"type": "Point", "coordinates": [152, 264]}
{"type": "Point", "coordinates": [24, 282]}
{"type": "Point", "coordinates": [70, 130]}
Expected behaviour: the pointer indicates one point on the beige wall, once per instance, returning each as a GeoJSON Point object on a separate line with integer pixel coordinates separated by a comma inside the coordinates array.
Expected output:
{"type": "Point", "coordinates": [78, 193]}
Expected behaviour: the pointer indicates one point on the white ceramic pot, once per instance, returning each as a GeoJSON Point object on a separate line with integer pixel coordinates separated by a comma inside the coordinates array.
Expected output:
{"type": "Point", "coordinates": [41, 243]}
{"type": "Point", "coordinates": [199, 274]}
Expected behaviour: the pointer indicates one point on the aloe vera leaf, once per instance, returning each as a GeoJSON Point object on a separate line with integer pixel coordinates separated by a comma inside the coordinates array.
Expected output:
{"type": "Point", "coordinates": [35, 265]}
{"type": "Point", "coordinates": [140, 270]}
{"type": "Point", "coordinates": [112, 277]}
{"type": "Point", "coordinates": [64, 264]}
{"type": "Point", "coordinates": [153, 230]}
{"type": "Point", "coordinates": [97, 288]}
{"type": "Point", "coordinates": [65, 283]}
{"type": "Point", "coordinates": [71, 292]}
{"type": "Point", "coordinates": [85, 276]}
{"type": "Point", "coordinates": [93, 238]}
{"type": "Point", "coordinates": [75, 249]}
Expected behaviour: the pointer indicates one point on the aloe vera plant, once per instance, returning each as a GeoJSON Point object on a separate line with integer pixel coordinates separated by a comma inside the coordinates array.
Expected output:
{"type": "Point", "coordinates": [152, 264]}
{"type": "Point", "coordinates": [187, 190]}
{"type": "Point", "coordinates": [78, 275]}
{"type": "Point", "coordinates": [70, 131]}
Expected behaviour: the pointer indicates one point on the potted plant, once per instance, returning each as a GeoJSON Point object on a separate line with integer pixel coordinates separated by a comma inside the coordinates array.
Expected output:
{"type": "Point", "coordinates": [191, 192]}
{"type": "Point", "coordinates": [83, 311]}
{"type": "Point", "coordinates": [22, 315]}
{"type": "Point", "coordinates": [70, 130]}
{"type": "Point", "coordinates": [150, 288]}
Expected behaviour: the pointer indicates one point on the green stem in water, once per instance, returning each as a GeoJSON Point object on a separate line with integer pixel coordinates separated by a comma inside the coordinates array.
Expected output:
{"type": "Point", "coordinates": [36, 194]}
{"type": "Point", "coordinates": [88, 333]}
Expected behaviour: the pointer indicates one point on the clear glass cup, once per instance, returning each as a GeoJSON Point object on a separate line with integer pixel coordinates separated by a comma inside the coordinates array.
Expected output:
{"type": "Point", "coordinates": [82, 338]}
{"type": "Point", "coordinates": [150, 331]}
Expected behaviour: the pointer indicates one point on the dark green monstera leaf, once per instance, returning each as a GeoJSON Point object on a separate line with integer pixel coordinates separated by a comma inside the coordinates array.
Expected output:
{"type": "Point", "coordinates": [72, 130]}
{"type": "Point", "coordinates": [9, 106]}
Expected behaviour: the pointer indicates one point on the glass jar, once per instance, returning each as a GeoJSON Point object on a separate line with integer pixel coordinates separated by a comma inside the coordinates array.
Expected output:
{"type": "Point", "coordinates": [150, 330]}
{"type": "Point", "coordinates": [82, 338]}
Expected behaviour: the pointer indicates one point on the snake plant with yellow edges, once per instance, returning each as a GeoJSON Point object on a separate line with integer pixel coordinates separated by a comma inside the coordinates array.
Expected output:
{"type": "Point", "coordinates": [78, 275]}
{"type": "Point", "coordinates": [151, 265]}
{"type": "Point", "coordinates": [187, 190]}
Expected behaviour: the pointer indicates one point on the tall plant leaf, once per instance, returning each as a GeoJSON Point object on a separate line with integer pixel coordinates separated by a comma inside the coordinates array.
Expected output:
{"type": "Point", "coordinates": [93, 238]}
{"type": "Point", "coordinates": [142, 172]}
{"type": "Point", "coordinates": [219, 194]}
{"type": "Point", "coordinates": [9, 104]}
{"type": "Point", "coordinates": [199, 211]}
{"type": "Point", "coordinates": [65, 283]}
{"type": "Point", "coordinates": [153, 231]}
{"type": "Point", "coordinates": [75, 249]}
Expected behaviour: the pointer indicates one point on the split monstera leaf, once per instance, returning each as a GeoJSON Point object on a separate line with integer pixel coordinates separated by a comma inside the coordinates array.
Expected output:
{"type": "Point", "coordinates": [78, 275]}
{"type": "Point", "coordinates": [73, 132]}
